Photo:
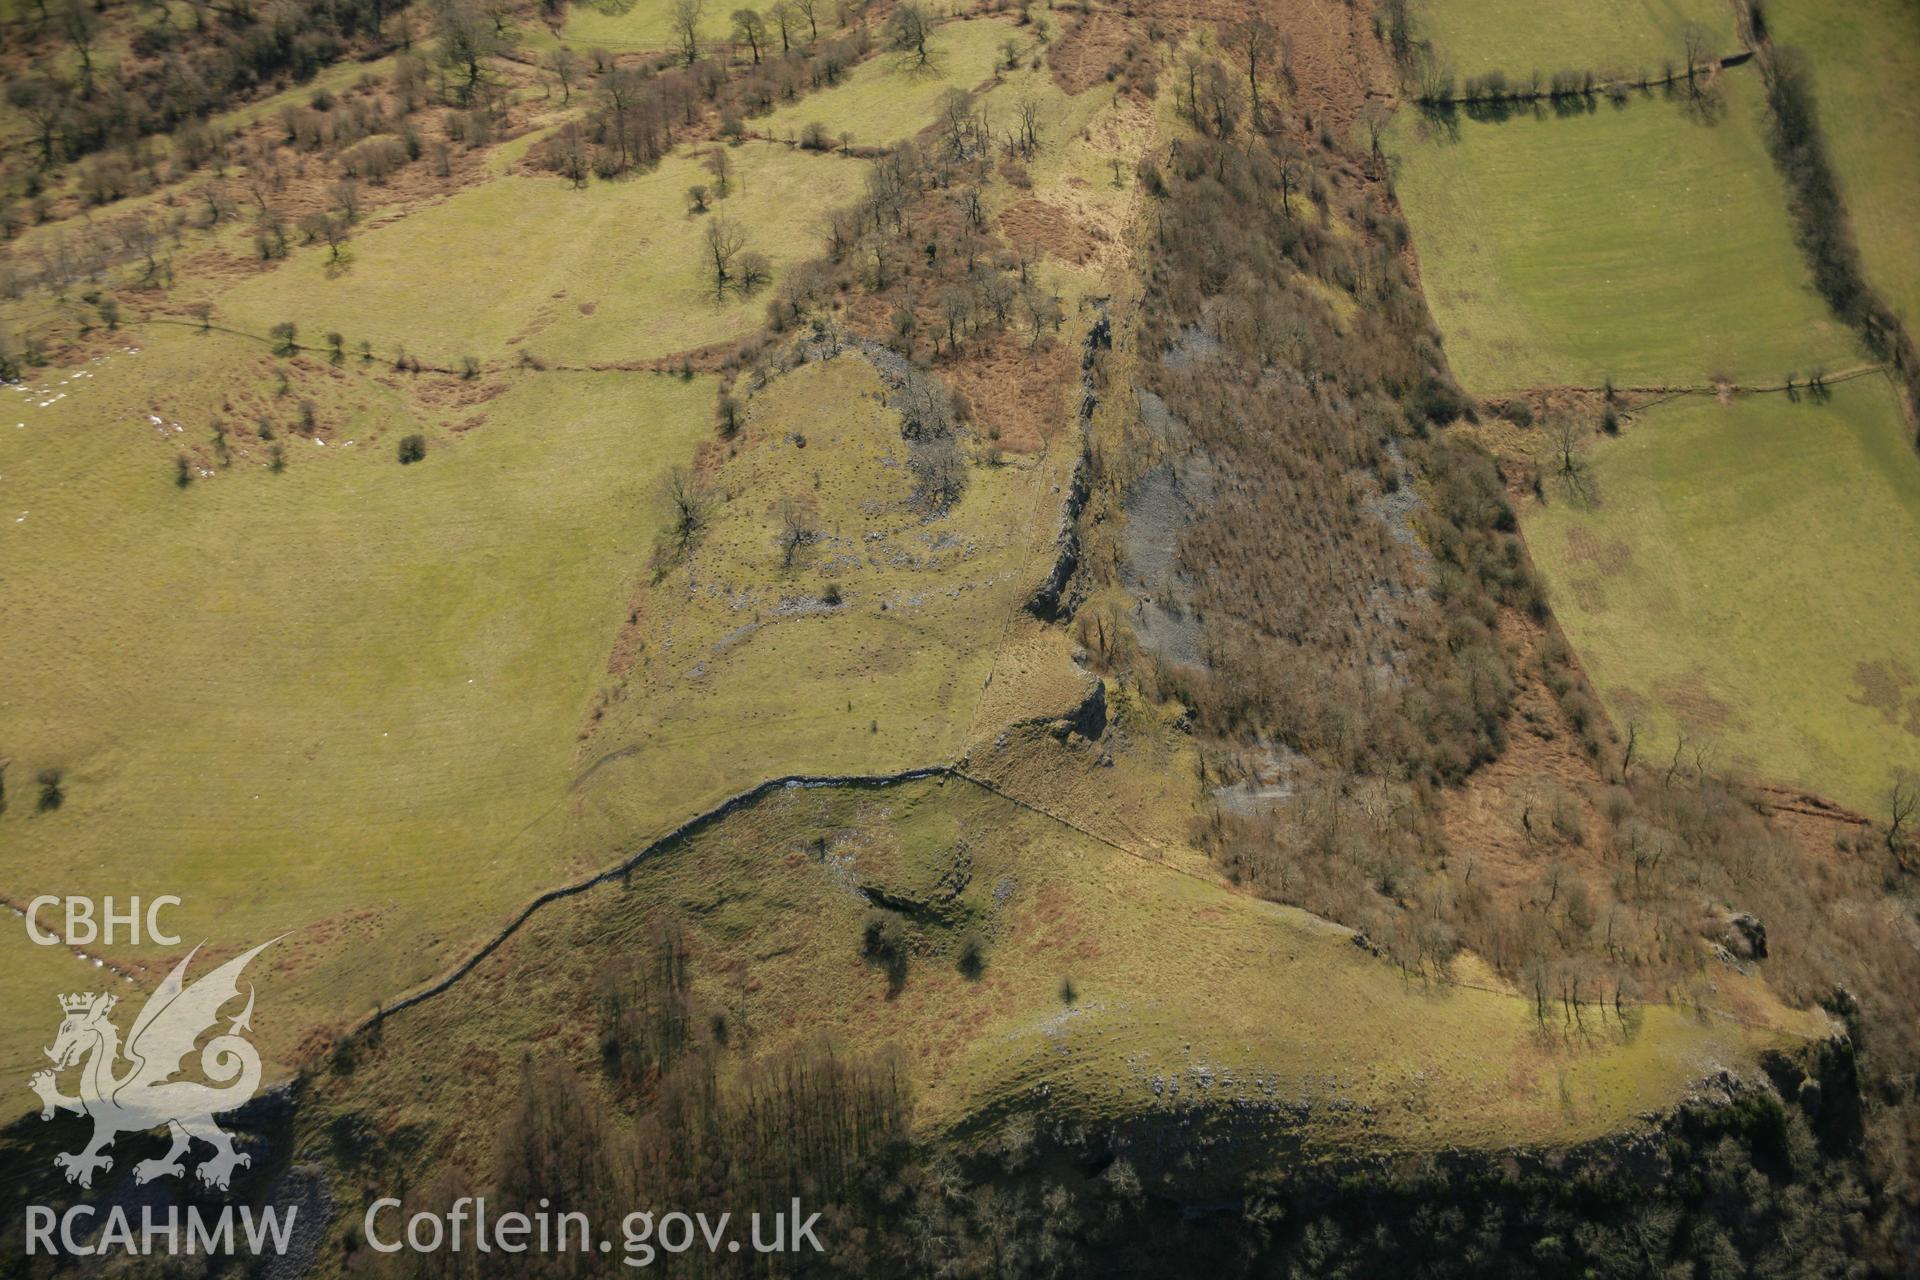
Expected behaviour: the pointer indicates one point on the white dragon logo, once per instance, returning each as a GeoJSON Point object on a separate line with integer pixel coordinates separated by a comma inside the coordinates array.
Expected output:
{"type": "Point", "coordinates": [146, 1096]}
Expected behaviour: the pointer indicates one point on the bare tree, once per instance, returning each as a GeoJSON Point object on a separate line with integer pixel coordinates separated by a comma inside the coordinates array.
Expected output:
{"type": "Point", "coordinates": [1026, 110]}
{"type": "Point", "coordinates": [1253, 42]}
{"type": "Point", "coordinates": [329, 228]}
{"type": "Point", "coordinates": [939, 472]}
{"type": "Point", "coordinates": [468, 42]}
{"type": "Point", "coordinates": [907, 31]}
{"type": "Point", "coordinates": [76, 23]}
{"type": "Point", "coordinates": [346, 197]}
{"type": "Point", "coordinates": [563, 67]}
{"type": "Point", "coordinates": [798, 526]}
{"type": "Point", "coordinates": [689, 507]}
{"type": "Point", "coordinates": [724, 242]}
{"type": "Point", "coordinates": [810, 10]}
{"type": "Point", "coordinates": [1696, 46]}
{"type": "Point", "coordinates": [686, 25]}
{"type": "Point", "coordinates": [1903, 799]}
{"type": "Point", "coordinates": [42, 101]}
{"type": "Point", "coordinates": [1568, 462]}
{"type": "Point", "coordinates": [752, 271]}
{"type": "Point", "coordinates": [720, 165]}
{"type": "Point", "coordinates": [786, 16]}
{"type": "Point", "coordinates": [956, 304]}
{"type": "Point", "coordinates": [750, 29]}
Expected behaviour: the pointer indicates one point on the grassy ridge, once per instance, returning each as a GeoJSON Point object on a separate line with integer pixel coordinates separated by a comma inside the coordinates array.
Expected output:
{"type": "Point", "coordinates": [1183, 991]}
{"type": "Point", "coordinates": [1553, 252]}
{"type": "Point", "coordinates": [1748, 576]}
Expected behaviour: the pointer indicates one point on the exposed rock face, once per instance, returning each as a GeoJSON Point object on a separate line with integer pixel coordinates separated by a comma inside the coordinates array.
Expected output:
{"type": "Point", "coordinates": [1048, 601]}
{"type": "Point", "coordinates": [1089, 719]}
{"type": "Point", "coordinates": [1746, 937]}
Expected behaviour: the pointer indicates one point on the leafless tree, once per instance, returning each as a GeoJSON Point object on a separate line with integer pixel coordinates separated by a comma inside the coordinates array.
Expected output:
{"type": "Point", "coordinates": [42, 101]}
{"type": "Point", "coordinates": [750, 29]}
{"type": "Point", "coordinates": [469, 40]}
{"type": "Point", "coordinates": [689, 508]}
{"type": "Point", "coordinates": [563, 66]}
{"type": "Point", "coordinates": [1026, 109]}
{"type": "Point", "coordinates": [1253, 42]}
{"type": "Point", "coordinates": [908, 30]}
{"type": "Point", "coordinates": [720, 165]}
{"type": "Point", "coordinates": [1696, 46]}
{"type": "Point", "coordinates": [939, 472]}
{"type": "Point", "coordinates": [1903, 799]}
{"type": "Point", "coordinates": [798, 527]}
{"type": "Point", "coordinates": [1567, 461]}
{"type": "Point", "coordinates": [786, 16]}
{"type": "Point", "coordinates": [77, 25]}
{"type": "Point", "coordinates": [752, 271]}
{"type": "Point", "coordinates": [724, 242]}
{"type": "Point", "coordinates": [686, 25]}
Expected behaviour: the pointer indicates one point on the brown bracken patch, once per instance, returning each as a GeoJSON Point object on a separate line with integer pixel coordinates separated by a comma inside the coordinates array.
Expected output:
{"type": "Point", "coordinates": [1692, 703]}
{"type": "Point", "coordinates": [1093, 42]}
{"type": "Point", "coordinates": [1610, 557]}
{"type": "Point", "coordinates": [1884, 688]}
{"type": "Point", "coordinates": [1049, 227]}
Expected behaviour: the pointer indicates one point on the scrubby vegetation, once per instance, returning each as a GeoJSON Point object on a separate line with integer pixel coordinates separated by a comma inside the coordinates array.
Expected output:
{"type": "Point", "coordinates": [760, 369]}
{"type": "Point", "coordinates": [1320, 630]}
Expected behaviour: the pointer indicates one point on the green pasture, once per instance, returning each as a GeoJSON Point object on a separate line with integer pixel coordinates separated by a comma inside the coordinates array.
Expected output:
{"type": "Point", "coordinates": [1866, 63]}
{"type": "Point", "coordinates": [339, 701]}
{"type": "Point", "coordinates": [641, 25]}
{"type": "Point", "coordinates": [612, 271]}
{"type": "Point", "coordinates": [1643, 242]}
{"type": "Point", "coordinates": [887, 97]}
{"type": "Point", "coordinates": [1747, 578]}
{"type": "Point", "coordinates": [1185, 993]}
{"type": "Point", "coordinates": [1472, 37]}
{"type": "Point", "coordinates": [30, 1015]}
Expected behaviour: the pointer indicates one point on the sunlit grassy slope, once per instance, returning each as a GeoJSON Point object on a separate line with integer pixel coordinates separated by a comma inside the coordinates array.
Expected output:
{"type": "Point", "coordinates": [331, 700]}
{"type": "Point", "coordinates": [1519, 37]}
{"type": "Point", "coordinates": [1866, 60]}
{"type": "Point", "coordinates": [1184, 994]}
{"type": "Point", "coordinates": [744, 665]}
{"type": "Point", "coordinates": [620, 25]}
{"type": "Point", "coordinates": [1643, 242]}
{"type": "Point", "coordinates": [1748, 576]}
{"type": "Point", "coordinates": [888, 97]}
{"type": "Point", "coordinates": [609, 272]}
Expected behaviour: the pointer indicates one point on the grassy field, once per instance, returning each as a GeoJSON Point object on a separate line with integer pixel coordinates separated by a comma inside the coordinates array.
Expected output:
{"type": "Point", "coordinates": [1553, 252]}
{"type": "Point", "coordinates": [609, 272]}
{"type": "Point", "coordinates": [29, 1016]}
{"type": "Point", "coordinates": [1184, 992]}
{"type": "Point", "coordinates": [328, 700]}
{"type": "Point", "coordinates": [1472, 37]}
{"type": "Point", "coordinates": [1749, 574]}
{"type": "Point", "coordinates": [886, 98]}
{"type": "Point", "coordinates": [620, 26]}
{"type": "Point", "coordinates": [1860, 51]}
